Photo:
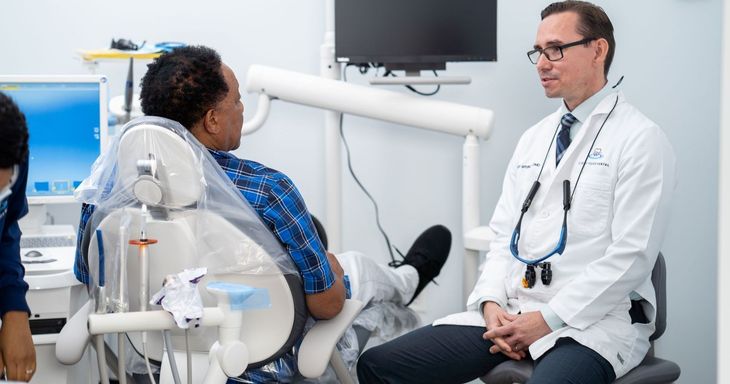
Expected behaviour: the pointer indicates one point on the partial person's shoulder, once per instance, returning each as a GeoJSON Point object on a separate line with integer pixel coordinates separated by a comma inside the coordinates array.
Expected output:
{"type": "Point", "coordinates": [546, 126]}
{"type": "Point", "coordinates": [268, 172]}
{"type": "Point", "coordinates": [228, 161]}
{"type": "Point", "coordinates": [253, 171]}
{"type": "Point", "coordinates": [546, 123]}
{"type": "Point", "coordinates": [639, 133]}
{"type": "Point", "coordinates": [633, 124]}
{"type": "Point", "coordinates": [273, 178]}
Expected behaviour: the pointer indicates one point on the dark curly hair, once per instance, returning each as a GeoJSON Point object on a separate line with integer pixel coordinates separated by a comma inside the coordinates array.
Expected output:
{"type": "Point", "coordinates": [593, 22]}
{"type": "Point", "coordinates": [183, 85]}
{"type": "Point", "coordinates": [14, 133]}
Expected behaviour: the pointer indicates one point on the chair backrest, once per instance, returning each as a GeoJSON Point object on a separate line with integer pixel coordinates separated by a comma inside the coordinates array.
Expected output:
{"type": "Point", "coordinates": [659, 280]}
{"type": "Point", "coordinates": [176, 223]}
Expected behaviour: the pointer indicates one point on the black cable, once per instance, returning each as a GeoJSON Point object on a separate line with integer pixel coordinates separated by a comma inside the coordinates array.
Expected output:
{"type": "Point", "coordinates": [344, 72]}
{"type": "Point", "coordinates": [393, 262]}
{"type": "Point", "coordinates": [364, 68]}
{"type": "Point", "coordinates": [435, 91]}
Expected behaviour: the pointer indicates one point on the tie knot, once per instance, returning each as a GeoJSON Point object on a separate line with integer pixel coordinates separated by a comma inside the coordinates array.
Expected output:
{"type": "Point", "coordinates": [568, 120]}
{"type": "Point", "coordinates": [563, 140]}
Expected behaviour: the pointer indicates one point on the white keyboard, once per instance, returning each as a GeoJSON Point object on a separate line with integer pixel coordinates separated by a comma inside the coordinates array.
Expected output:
{"type": "Point", "coordinates": [47, 241]}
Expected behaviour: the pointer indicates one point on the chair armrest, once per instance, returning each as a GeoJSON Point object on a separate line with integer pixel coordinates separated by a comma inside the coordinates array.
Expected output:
{"type": "Point", "coordinates": [320, 341]}
{"type": "Point", "coordinates": [74, 337]}
{"type": "Point", "coordinates": [478, 239]}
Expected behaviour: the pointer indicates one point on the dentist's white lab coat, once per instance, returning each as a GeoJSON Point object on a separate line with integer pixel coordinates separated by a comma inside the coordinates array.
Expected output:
{"type": "Point", "coordinates": [615, 228]}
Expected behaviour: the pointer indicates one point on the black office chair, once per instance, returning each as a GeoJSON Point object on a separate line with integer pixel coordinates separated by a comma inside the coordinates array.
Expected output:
{"type": "Point", "coordinates": [652, 369]}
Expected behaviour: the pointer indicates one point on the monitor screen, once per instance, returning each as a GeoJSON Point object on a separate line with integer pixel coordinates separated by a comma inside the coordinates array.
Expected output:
{"type": "Point", "coordinates": [67, 122]}
{"type": "Point", "coordinates": [415, 32]}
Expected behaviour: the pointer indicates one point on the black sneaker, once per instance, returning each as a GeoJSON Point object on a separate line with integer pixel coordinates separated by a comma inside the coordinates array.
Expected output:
{"type": "Point", "coordinates": [428, 254]}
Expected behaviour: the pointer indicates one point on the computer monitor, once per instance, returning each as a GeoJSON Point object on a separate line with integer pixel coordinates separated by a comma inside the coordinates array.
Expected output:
{"type": "Point", "coordinates": [67, 121]}
{"type": "Point", "coordinates": [415, 35]}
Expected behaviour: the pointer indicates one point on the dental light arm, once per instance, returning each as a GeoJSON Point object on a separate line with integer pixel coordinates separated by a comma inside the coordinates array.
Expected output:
{"type": "Point", "coordinates": [330, 94]}
{"type": "Point", "coordinates": [338, 96]}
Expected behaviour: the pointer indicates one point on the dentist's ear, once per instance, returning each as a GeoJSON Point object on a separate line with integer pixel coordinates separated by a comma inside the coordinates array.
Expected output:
{"type": "Point", "coordinates": [601, 51]}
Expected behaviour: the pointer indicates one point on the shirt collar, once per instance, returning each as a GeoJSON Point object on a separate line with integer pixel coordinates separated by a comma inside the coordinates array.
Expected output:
{"type": "Point", "coordinates": [584, 109]}
{"type": "Point", "coordinates": [219, 154]}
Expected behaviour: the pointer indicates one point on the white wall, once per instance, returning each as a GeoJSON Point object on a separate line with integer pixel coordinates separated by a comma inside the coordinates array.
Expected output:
{"type": "Point", "coordinates": [669, 51]}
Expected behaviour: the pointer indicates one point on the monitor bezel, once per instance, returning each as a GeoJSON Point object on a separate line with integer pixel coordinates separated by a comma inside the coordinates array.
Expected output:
{"type": "Point", "coordinates": [412, 62]}
{"type": "Point", "coordinates": [103, 83]}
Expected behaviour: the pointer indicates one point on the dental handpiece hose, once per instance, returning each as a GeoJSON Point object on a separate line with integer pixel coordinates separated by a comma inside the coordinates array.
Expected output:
{"type": "Point", "coordinates": [143, 262]}
{"type": "Point", "coordinates": [142, 244]}
{"type": "Point", "coordinates": [123, 304]}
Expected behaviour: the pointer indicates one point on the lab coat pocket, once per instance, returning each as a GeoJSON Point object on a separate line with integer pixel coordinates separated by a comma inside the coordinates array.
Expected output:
{"type": "Point", "coordinates": [589, 212]}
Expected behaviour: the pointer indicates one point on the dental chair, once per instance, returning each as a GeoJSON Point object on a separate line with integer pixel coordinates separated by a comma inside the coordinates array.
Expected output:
{"type": "Point", "coordinates": [162, 215]}
{"type": "Point", "coordinates": [652, 369]}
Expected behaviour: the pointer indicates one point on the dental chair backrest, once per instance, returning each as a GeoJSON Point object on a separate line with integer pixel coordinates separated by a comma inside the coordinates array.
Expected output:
{"type": "Point", "coordinates": [162, 171]}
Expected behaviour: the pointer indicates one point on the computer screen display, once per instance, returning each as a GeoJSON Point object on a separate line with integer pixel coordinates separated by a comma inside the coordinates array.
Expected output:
{"type": "Point", "coordinates": [403, 32]}
{"type": "Point", "coordinates": [67, 122]}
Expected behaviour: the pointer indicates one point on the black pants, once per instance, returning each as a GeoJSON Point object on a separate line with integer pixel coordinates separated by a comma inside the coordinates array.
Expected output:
{"type": "Point", "coordinates": [458, 354]}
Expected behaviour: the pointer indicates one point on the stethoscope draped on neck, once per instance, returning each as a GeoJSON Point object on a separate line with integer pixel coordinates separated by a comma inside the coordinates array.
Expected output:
{"type": "Point", "coordinates": [546, 276]}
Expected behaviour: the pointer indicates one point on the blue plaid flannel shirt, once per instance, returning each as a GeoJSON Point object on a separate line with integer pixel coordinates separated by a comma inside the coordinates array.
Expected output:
{"type": "Point", "coordinates": [280, 205]}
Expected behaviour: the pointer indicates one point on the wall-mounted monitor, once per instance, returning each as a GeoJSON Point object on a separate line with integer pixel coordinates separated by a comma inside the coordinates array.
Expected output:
{"type": "Point", "coordinates": [67, 122]}
{"type": "Point", "coordinates": [415, 34]}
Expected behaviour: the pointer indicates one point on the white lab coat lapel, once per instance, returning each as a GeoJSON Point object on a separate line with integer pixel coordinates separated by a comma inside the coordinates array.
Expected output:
{"type": "Point", "coordinates": [552, 178]}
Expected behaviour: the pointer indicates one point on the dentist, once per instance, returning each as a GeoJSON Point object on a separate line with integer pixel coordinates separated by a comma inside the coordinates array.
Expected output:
{"type": "Point", "coordinates": [579, 224]}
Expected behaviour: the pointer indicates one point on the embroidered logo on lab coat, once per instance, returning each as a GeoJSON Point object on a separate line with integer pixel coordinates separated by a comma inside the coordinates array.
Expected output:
{"type": "Point", "coordinates": [528, 165]}
{"type": "Point", "coordinates": [597, 153]}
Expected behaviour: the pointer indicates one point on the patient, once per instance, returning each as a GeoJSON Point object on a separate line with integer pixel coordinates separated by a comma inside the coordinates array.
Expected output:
{"type": "Point", "coordinates": [192, 86]}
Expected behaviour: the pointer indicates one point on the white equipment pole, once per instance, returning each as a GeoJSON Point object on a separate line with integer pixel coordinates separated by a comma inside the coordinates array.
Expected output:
{"type": "Point", "coordinates": [470, 208]}
{"type": "Point", "coordinates": [329, 69]}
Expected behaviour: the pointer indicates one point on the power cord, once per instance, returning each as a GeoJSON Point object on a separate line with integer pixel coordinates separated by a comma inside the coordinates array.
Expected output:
{"type": "Point", "coordinates": [393, 262]}
{"type": "Point", "coordinates": [365, 67]}
{"type": "Point", "coordinates": [435, 91]}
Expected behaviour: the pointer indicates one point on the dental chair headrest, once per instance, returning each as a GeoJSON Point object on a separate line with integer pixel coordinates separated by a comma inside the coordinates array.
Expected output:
{"type": "Point", "coordinates": [159, 167]}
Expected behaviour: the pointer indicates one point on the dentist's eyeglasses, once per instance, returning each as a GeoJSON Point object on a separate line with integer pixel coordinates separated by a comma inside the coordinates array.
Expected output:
{"type": "Point", "coordinates": [554, 53]}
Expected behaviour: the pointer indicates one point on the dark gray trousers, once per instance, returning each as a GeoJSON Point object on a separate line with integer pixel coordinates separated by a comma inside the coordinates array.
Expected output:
{"type": "Point", "coordinates": [458, 354]}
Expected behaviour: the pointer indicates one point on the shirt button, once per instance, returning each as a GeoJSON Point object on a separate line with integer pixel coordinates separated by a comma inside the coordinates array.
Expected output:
{"type": "Point", "coordinates": [545, 214]}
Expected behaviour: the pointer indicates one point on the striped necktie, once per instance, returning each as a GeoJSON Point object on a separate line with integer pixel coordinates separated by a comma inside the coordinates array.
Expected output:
{"type": "Point", "coordinates": [563, 140]}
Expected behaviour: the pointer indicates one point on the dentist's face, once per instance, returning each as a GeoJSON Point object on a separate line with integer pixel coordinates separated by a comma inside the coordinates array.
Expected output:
{"type": "Point", "coordinates": [573, 76]}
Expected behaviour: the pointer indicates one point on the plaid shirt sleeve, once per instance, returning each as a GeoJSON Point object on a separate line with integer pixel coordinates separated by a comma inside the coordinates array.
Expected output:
{"type": "Point", "coordinates": [81, 270]}
{"type": "Point", "coordinates": [287, 216]}
{"type": "Point", "coordinates": [279, 204]}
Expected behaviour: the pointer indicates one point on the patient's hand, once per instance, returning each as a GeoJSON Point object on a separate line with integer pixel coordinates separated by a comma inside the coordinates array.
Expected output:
{"type": "Point", "coordinates": [495, 317]}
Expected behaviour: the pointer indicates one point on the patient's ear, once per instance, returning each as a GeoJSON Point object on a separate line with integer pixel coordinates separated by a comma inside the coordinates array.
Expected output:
{"type": "Point", "coordinates": [210, 122]}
